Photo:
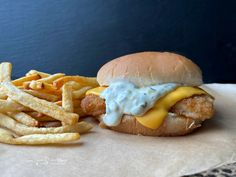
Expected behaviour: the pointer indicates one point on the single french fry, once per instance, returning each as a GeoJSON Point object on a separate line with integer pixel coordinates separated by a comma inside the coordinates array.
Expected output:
{"type": "Point", "coordinates": [20, 87]}
{"type": "Point", "coordinates": [21, 107]}
{"type": "Point", "coordinates": [40, 105]}
{"type": "Point", "coordinates": [35, 85]}
{"type": "Point", "coordinates": [42, 95]}
{"type": "Point", "coordinates": [35, 114]}
{"type": "Point", "coordinates": [77, 94]}
{"type": "Point", "coordinates": [20, 129]}
{"type": "Point", "coordinates": [7, 137]}
{"type": "Point", "coordinates": [67, 102]}
{"type": "Point", "coordinates": [5, 71]}
{"type": "Point", "coordinates": [74, 85]}
{"type": "Point", "coordinates": [10, 106]}
{"type": "Point", "coordinates": [42, 74]}
{"type": "Point", "coordinates": [83, 127]}
{"type": "Point", "coordinates": [51, 78]}
{"type": "Point", "coordinates": [84, 81]}
{"type": "Point", "coordinates": [23, 118]}
{"type": "Point", "coordinates": [40, 117]}
{"type": "Point", "coordinates": [20, 81]}
{"type": "Point", "coordinates": [59, 103]}
{"type": "Point", "coordinates": [3, 93]}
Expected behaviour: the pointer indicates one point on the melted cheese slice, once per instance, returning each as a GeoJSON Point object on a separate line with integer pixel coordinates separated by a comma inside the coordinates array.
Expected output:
{"type": "Point", "coordinates": [96, 91]}
{"type": "Point", "coordinates": [155, 116]}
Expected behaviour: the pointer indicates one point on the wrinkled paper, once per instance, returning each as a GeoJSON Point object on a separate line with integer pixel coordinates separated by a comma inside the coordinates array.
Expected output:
{"type": "Point", "coordinates": [105, 153]}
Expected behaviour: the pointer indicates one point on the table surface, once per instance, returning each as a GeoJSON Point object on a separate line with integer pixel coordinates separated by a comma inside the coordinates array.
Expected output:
{"type": "Point", "coordinates": [104, 153]}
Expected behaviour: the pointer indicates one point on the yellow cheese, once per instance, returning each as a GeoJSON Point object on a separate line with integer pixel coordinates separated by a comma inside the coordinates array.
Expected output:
{"type": "Point", "coordinates": [96, 91]}
{"type": "Point", "coordinates": [155, 116]}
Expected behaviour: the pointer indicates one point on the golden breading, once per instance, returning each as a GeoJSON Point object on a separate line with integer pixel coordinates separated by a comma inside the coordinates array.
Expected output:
{"type": "Point", "coordinates": [196, 107]}
{"type": "Point", "coordinates": [93, 105]}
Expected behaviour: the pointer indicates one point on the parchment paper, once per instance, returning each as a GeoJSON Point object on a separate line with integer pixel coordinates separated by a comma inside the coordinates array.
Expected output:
{"type": "Point", "coordinates": [104, 153]}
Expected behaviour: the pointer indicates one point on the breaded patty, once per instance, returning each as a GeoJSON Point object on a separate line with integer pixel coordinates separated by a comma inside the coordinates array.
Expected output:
{"type": "Point", "coordinates": [93, 105]}
{"type": "Point", "coordinates": [196, 107]}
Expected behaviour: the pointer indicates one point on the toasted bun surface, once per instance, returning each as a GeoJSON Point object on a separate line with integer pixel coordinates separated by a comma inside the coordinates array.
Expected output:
{"type": "Point", "coordinates": [149, 68]}
{"type": "Point", "coordinates": [173, 125]}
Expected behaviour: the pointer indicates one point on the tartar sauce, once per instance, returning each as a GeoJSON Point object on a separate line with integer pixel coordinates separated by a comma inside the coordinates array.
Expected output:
{"type": "Point", "coordinates": [123, 97]}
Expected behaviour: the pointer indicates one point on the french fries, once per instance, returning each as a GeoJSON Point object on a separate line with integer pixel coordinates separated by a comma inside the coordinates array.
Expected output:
{"type": "Point", "coordinates": [10, 106]}
{"type": "Point", "coordinates": [40, 117]}
{"type": "Point", "coordinates": [42, 74]}
{"type": "Point", "coordinates": [5, 71]}
{"type": "Point", "coordinates": [74, 85]}
{"type": "Point", "coordinates": [3, 93]}
{"type": "Point", "coordinates": [67, 100]}
{"type": "Point", "coordinates": [23, 118]}
{"type": "Point", "coordinates": [42, 95]}
{"type": "Point", "coordinates": [7, 137]}
{"type": "Point", "coordinates": [89, 81]}
{"type": "Point", "coordinates": [20, 81]}
{"type": "Point", "coordinates": [51, 78]}
{"type": "Point", "coordinates": [40, 105]}
{"type": "Point", "coordinates": [21, 129]}
{"type": "Point", "coordinates": [77, 94]}
{"type": "Point", "coordinates": [40, 108]}
{"type": "Point", "coordinates": [42, 87]}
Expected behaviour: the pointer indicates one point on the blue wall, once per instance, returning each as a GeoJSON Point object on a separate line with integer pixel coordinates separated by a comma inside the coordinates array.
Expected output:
{"type": "Point", "coordinates": [79, 36]}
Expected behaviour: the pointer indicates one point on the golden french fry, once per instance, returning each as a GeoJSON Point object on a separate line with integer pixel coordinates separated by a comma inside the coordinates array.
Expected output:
{"type": "Point", "coordinates": [35, 85]}
{"type": "Point", "coordinates": [77, 94]}
{"type": "Point", "coordinates": [5, 71]}
{"type": "Point", "coordinates": [89, 81]}
{"type": "Point", "coordinates": [40, 105]}
{"type": "Point", "coordinates": [42, 87]}
{"type": "Point", "coordinates": [7, 137]}
{"type": "Point", "coordinates": [8, 106]}
{"type": "Point", "coordinates": [50, 124]}
{"type": "Point", "coordinates": [3, 93]}
{"type": "Point", "coordinates": [35, 114]}
{"type": "Point", "coordinates": [83, 127]}
{"type": "Point", "coordinates": [74, 85]}
{"type": "Point", "coordinates": [42, 74]}
{"type": "Point", "coordinates": [52, 91]}
{"type": "Point", "coordinates": [20, 129]}
{"type": "Point", "coordinates": [40, 117]}
{"type": "Point", "coordinates": [23, 118]}
{"type": "Point", "coordinates": [21, 107]}
{"type": "Point", "coordinates": [42, 95]}
{"type": "Point", "coordinates": [51, 78]}
{"type": "Point", "coordinates": [59, 103]}
{"type": "Point", "coordinates": [20, 87]}
{"type": "Point", "coordinates": [20, 81]}
{"type": "Point", "coordinates": [67, 102]}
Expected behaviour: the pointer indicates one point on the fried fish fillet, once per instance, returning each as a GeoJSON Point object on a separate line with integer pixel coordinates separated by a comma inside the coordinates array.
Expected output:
{"type": "Point", "coordinates": [198, 107]}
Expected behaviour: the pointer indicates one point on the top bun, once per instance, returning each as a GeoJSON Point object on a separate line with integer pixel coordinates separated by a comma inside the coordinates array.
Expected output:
{"type": "Point", "coordinates": [151, 68]}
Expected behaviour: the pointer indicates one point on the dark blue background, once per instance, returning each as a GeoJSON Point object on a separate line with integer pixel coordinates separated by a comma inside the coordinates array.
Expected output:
{"type": "Point", "coordinates": [79, 36]}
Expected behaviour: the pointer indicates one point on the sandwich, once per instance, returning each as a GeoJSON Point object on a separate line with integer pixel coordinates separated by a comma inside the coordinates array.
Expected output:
{"type": "Point", "coordinates": [151, 94]}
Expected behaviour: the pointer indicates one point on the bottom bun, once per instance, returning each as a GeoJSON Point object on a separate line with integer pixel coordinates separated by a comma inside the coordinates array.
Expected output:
{"type": "Point", "coordinates": [174, 125]}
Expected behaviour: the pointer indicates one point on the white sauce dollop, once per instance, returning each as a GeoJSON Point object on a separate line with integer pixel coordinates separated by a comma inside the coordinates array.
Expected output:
{"type": "Point", "coordinates": [123, 97]}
